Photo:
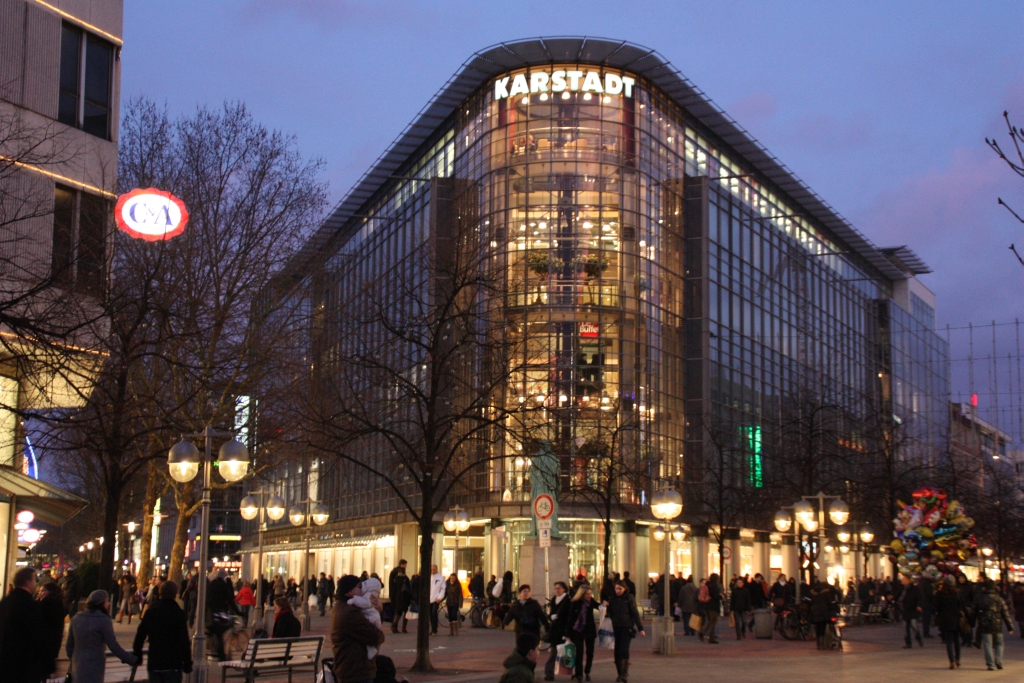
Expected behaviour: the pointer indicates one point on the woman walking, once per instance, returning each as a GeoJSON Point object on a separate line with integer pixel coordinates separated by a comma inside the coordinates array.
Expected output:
{"type": "Point", "coordinates": [453, 602]}
{"type": "Point", "coordinates": [51, 608]}
{"type": "Point", "coordinates": [739, 603]}
{"type": "Point", "coordinates": [90, 633]}
{"type": "Point", "coordinates": [626, 623]}
{"type": "Point", "coordinates": [950, 617]}
{"type": "Point", "coordinates": [582, 628]}
{"type": "Point", "coordinates": [401, 601]}
{"type": "Point", "coordinates": [245, 601]}
{"type": "Point", "coordinates": [126, 587]}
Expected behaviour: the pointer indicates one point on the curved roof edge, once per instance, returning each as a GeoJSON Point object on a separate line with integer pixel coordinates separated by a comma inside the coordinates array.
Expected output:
{"type": "Point", "coordinates": [640, 60]}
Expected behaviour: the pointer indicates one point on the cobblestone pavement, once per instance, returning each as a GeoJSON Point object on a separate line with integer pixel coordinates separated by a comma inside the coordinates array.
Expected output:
{"type": "Point", "coordinates": [872, 653]}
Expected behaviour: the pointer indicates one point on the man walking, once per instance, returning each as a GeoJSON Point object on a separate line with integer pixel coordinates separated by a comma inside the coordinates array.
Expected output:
{"type": "Point", "coordinates": [21, 631]}
{"type": "Point", "coordinates": [437, 594]}
{"type": "Point", "coordinates": [991, 612]}
{"type": "Point", "coordinates": [165, 626]}
{"type": "Point", "coordinates": [911, 599]}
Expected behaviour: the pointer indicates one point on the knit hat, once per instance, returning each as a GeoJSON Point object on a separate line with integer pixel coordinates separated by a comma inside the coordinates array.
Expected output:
{"type": "Point", "coordinates": [97, 598]}
{"type": "Point", "coordinates": [347, 583]}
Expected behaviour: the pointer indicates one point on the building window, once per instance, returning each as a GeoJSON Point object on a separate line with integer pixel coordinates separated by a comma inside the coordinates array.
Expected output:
{"type": "Point", "coordinates": [79, 263]}
{"type": "Point", "coordinates": [86, 74]}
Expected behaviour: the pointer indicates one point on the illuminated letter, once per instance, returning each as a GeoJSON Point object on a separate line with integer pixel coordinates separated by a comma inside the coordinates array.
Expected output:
{"type": "Point", "coordinates": [539, 81]}
{"type": "Point", "coordinates": [592, 83]}
{"type": "Point", "coordinates": [558, 81]}
{"type": "Point", "coordinates": [519, 86]}
{"type": "Point", "coordinates": [574, 79]}
{"type": "Point", "coordinates": [612, 84]}
{"type": "Point", "coordinates": [501, 88]}
{"type": "Point", "coordinates": [628, 82]}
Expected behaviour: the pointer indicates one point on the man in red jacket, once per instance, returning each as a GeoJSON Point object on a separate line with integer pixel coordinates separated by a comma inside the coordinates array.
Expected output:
{"type": "Point", "coordinates": [351, 634]}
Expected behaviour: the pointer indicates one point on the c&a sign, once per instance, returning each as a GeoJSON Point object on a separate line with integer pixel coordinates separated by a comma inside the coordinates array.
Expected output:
{"type": "Point", "coordinates": [150, 214]}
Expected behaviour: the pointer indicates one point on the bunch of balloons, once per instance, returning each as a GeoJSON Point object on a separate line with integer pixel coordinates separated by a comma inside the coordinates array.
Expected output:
{"type": "Point", "coordinates": [931, 535]}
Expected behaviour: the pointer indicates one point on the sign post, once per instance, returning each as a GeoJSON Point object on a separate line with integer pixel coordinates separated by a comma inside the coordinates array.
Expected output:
{"type": "Point", "coordinates": [543, 509]}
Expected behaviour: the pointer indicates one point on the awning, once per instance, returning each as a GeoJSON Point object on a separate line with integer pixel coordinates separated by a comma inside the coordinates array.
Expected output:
{"type": "Point", "coordinates": [49, 504]}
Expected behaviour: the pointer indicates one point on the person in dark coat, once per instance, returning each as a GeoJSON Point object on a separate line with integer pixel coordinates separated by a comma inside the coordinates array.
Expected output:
{"type": "Point", "coordinates": [927, 591]}
{"type": "Point", "coordinates": [967, 590]}
{"type": "Point", "coordinates": [630, 586]}
{"type": "Point", "coordinates": [286, 625]}
{"type": "Point", "coordinates": [582, 628]}
{"type": "Point", "coordinates": [21, 631]}
{"type": "Point", "coordinates": [90, 634]}
{"type": "Point", "coordinates": [220, 601]}
{"type": "Point", "coordinates": [165, 625]}
{"type": "Point", "coordinates": [991, 614]}
{"type": "Point", "coordinates": [527, 613]}
{"type": "Point", "coordinates": [453, 603]}
{"type": "Point", "coordinates": [71, 586]}
{"type": "Point", "coordinates": [739, 603]}
{"type": "Point", "coordinates": [758, 599]}
{"type": "Point", "coordinates": [520, 664]}
{"type": "Point", "coordinates": [351, 634]}
{"type": "Point", "coordinates": [823, 601]}
{"type": "Point", "coordinates": [401, 600]}
{"type": "Point", "coordinates": [558, 614]}
{"type": "Point", "coordinates": [687, 602]}
{"type": "Point", "coordinates": [911, 600]}
{"type": "Point", "coordinates": [626, 623]}
{"type": "Point", "coordinates": [476, 586]}
{"type": "Point", "coordinates": [393, 589]}
{"type": "Point", "coordinates": [711, 609]}
{"type": "Point", "coordinates": [52, 612]}
{"type": "Point", "coordinates": [949, 610]}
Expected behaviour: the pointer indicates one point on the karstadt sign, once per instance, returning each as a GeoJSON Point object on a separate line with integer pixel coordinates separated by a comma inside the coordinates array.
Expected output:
{"type": "Point", "coordinates": [563, 80]}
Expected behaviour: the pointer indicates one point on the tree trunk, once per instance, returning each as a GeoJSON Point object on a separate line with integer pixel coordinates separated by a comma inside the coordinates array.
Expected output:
{"type": "Point", "coordinates": [111, 522]}
{"type": "Point", "coordinates": [422, 663]}
{"type": "Point", "coordinates": [154, 484]}
{"type": "Point", "coordinates": [184, 503]}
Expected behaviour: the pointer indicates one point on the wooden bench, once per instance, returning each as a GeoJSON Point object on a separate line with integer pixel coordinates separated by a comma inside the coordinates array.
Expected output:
{"type": "Point", "coordinates": [116, 671]}
{"type": "Point", "coordinates": [877, 613]}
{"type": "Point", "coordinates": [275, 655]}
{"type": "Point", "coordinates": [850, 614]}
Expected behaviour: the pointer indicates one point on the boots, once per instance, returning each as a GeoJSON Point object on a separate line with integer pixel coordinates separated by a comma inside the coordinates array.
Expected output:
{"type": "Point", "coordinates": [618, 669]}
{"type": "Point", "coordinates": [821, 643]}
{"type": "Point", "coordinates": [405, 623]}
{"type": "Point", "coordinates": [451, 628]}
{"type": "Point", "coordinates": [625, 671]}
{"type": "Point", "coordinates": [394, 625]}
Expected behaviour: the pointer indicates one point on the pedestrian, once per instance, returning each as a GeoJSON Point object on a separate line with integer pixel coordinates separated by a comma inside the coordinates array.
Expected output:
{"type": "Point", "coordinates": [286, 625]}
{"type": "Point", "coordinates": [291, 593]}
{"type": "Point", "coordinates": [220, 602]}
{"type": "Point", "coordinates": [278, 587]}
{"type": "Point", "coordinates": [453, 603]}
{"type": "Point", "coordinates": [165, 626]}
{"type": "Point", "coordinates": [126, 591]}
{"type": "Point", "coordinates": [401, 600]}
{"type": "Point", "coordinates": [153, 594]}
{"type": "Point", "coordinates": [52, 613]}
{"type": "Point", "coordinates": [709, 602]}
{"type": "Point", "coordinates": [323, 589]}
{"type": "Point", "coordinates": [437, 593]}
{"type": "Point", "coordinates": [72, 589]}
{"type": "Point", "coordinates": [393, 588]}
{"type": "Point", "coordinates": [22, 651]}
{"type": "Point", "coordinates": [630, 586]}
{"type": "Point", "coordinates": [822, 601]}
{"type": "Point", "coordinates": [927, 591]}
{"type": "Point", "coordinates": [245, 600]}
{"type": "Point", "coordinates": [558, 617]}
{"type": "Point", "coordinates": [351, 634]}
{"type": "Point", "coordinates": [190, 597]}
{"type": "Point", "coordinates": [950, 617]}
{"type": "Point", "coordinates": [1018, 607]}
{"type": "Point", "coordinates": [739, 604]}
{"type": "Point", "coordinates": [777, 593]}
{"type": "Point", "coordinates": [758, 595]}
{"type": "Point", "coordinates": [489, 590]}
{"type": "Point", "coordinates": [330, 590]}
{"type": "Point", "coordinates": [476, 586]}
{"type": "Point", "coordinates": [527, 613]}
{"type": "Point", "coordinates": [583, 628]}
{"type": "Point", "coordinates": [991, 614]}
{"type": "Point", "coordinates": [687, 604]}
{"type": "Point", "coordinates": [626, 624]}
{"type": "Point", "coordinates": [520, 664]}
{"type": "Point", "coordinates": [911, 608]}
{"type": "Point", "coordinates": [90, 634]}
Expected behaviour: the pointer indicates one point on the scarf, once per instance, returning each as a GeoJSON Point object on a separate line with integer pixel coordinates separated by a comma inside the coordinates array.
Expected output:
{"type": "Point", "coordinates": [581, 620]}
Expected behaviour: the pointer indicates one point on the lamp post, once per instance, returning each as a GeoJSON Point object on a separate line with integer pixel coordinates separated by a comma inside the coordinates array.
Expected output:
{"type": "Point", "coordinates": [183, 462]}
{"type": "Point", "coordinates": [804, 512]}
{"type": "Point", "coordinates": [456, 520]}
{"type": "Point", "coordinates": [315, 513]}
{"type": "Point", "coordinates": [666, 506]}
{"type": "Point", "coordinates": [783, 522]}
{"type": "Point", "coordinates": [867, 534]}
{"type": "Point", "coordinates": [272, 508]}
{"type": "Point", "coordinates": [130, 528]}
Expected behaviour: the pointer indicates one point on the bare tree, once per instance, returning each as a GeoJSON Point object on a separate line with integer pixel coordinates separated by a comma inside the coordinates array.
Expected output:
{"type": "Point", "coordinates": [1015, 160]}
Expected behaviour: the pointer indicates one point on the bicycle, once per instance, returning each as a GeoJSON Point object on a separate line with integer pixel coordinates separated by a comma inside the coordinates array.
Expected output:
{"type": "Point", "coordinates": [479, 614]}
{"type": "Point", "coordinates": [833, 635]}
{"type": "Point", "coordinates": [791, 626]}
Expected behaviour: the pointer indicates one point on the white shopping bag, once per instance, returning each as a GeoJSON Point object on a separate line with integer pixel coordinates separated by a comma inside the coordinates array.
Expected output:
{"type": "Point", "coordinates": [605, 634]}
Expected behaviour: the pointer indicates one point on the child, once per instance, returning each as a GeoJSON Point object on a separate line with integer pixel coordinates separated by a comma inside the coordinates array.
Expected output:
{"type": "Point", "coordinates": [366, 599]}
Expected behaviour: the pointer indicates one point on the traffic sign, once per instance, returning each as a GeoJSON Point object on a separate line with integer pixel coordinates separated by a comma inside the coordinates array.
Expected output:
{"type": "Point", "coordinates": [543, 523]}
{"type": "Point", "coordinates": [543, 506]}
{"type": "Point", "coordinates": [545, 537]}
{"type": "Point", "coordinates": [726, 553]}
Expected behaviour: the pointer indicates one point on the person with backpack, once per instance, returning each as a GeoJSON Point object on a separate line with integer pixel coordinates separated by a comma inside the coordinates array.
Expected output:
{"type": "Point", "coordinates": [709, 602]}
{"type": "Point", "coordinates": [991, 614]}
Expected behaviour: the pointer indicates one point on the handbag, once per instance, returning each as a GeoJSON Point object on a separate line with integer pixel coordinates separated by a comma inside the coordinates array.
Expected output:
{"type": "Point", "coordinates": [965, 626]}
{"type": "Point", "coordinates": [695, 621]}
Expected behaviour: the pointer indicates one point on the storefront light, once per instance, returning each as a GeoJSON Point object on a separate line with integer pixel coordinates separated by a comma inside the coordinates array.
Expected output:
{"type": "Point", "coordinates": [587, 96]}
{"type": "Point", "coordinates": [565, 95]}
{"type": "Point", "coordinates": [658, 532]}
{"type": "Point", "coordinates": [543, 97]}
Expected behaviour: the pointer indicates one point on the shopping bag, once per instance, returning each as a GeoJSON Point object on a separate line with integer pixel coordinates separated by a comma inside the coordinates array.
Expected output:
{"type": "Point", "coordinates": [412, 616]}
{"type": "Point", "coordinates": [732, 620]}
{"type": "Point", "coordinates": [695, 623]}
{"type": "Point", "coordinates": [312, 601]}
{"type": "Point", "coordinates": [511, 626]}
{"type": "Point", "coordinates": [326, 674]}
{"type": "Point", "coordinates": [605, 634]}
{"type": "Point", "coordinates": [567, 656]}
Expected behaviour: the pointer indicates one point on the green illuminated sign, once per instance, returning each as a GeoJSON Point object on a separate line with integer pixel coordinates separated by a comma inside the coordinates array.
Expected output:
{"type": "Point", "coordinates": [752, 435]}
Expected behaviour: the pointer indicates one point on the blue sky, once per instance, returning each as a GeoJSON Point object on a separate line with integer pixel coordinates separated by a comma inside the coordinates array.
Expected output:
{"type": "Point", "coordinates": [881, 107]}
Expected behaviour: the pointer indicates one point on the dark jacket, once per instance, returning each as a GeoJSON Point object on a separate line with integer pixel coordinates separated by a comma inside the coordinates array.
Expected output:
{"type": "Point", "coordinates": [476, 586]}
{"type": "Point", "coordinates": [518, 669]}
{"type": "Point", "coordinates": [164, 624]}
{"type": "Point", "coordinates": [990, 612]}
{"type": "Point", "coordinates": [739, 600]}
{"type": "Point", "coordinates": [286, 626]}
{"type": "Point", "coordinates": [90, 634]}
{"type": "Point", "coordinates": [453, 595]}
{"type": "Point", "coordinates": [688, 598]}
{"type": "Point", "coordinates": [911, 602]}
{"type": "Point", "coordinates": [778, 594]}
{"type": "Point", "coordinates": [948, 610]}
{"type": "Point", "coordinates": [401, 598]}
{"type": "Point", "coordinates": [220, 596]}
{"type": "Point", "coordinates": [589, 624]}
{"type": "Point", "coordinates": [559, 616]}
{"type": "Point", "coordinates": [715, 604]}
{"type": "Point", "coordinates": [351, 633]}
{"type": "Point", "coordinates": [822, 603]}
{"type": "Point", "coordinates": [927, 593]}
{"type": "Point", "coordinates": [52, 612]}
{"type": "Point", "coordinates": [623, 613]}
{"type": "Point", "coordinates": [758, 600]}
{"type": "Point", "coordinates": [529, 616]}
{"type": "Point", "coordinates": [21, 624]}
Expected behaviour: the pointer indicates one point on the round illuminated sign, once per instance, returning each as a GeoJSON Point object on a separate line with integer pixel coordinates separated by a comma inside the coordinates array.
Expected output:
{"type": "Point", "coordinates": [26, 516]}
{"type": "Point", "coordinates": [152, 215]}
{"type": "Point", "coordinates": [543, 506]}
{"type": "Point", "coordinates": [31, 536]}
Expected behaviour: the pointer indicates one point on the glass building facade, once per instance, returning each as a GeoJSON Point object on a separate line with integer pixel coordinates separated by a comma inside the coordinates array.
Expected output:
{"type": "Point", "coordinates": [673, 289]}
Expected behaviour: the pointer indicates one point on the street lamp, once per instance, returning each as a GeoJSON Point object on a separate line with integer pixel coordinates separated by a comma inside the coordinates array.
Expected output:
{"type": "Point", "coordinates": [250, 508]}
{"type": "Point", "coordinates": [315, 513]}
{"type": "Point", "coordinates": [986, 551]}
{"type": "Point", "coordinates": [456, 520]}
{"type": "Point", "coordinates": [867, 534]}
{"type": "Point", "coordinates": [666, 506]}
{"type": "Point", "coordinates": [679, 533]}
{"type": "Point", "coordinates": [183, 461]}
{"type": "Point", "coordinates": [843, 535]}
{"type": "Point", "coordinates": [783, 522]}
{"type": "Point", "coordinates": [130, 527]}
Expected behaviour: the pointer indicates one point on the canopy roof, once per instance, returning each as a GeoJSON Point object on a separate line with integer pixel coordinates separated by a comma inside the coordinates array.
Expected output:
{"type": "Point", "coordinates": [645, 62]}
{"type": "Point", "coordinates": [47, 502]}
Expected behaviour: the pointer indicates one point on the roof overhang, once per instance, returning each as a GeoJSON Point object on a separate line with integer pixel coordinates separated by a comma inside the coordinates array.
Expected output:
{"type": "Point", "coordinates": [47, 502]}
{"type": "Point", "coordinates": [642, 61]}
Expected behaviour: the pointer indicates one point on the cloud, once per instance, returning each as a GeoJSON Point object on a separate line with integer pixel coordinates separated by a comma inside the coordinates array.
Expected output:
{"type": "Point", "coordinates": [753, 109]}
{"type": "Point", "coordinates": [828, 134]}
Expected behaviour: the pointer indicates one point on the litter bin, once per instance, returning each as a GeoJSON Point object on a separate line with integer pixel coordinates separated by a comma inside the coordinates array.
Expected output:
{"type": "Point", "coordinates": [764, 623]}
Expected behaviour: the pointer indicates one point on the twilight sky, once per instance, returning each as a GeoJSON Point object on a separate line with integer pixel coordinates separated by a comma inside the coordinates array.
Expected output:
{"type": "Point", "coordinates": [882, 108]}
